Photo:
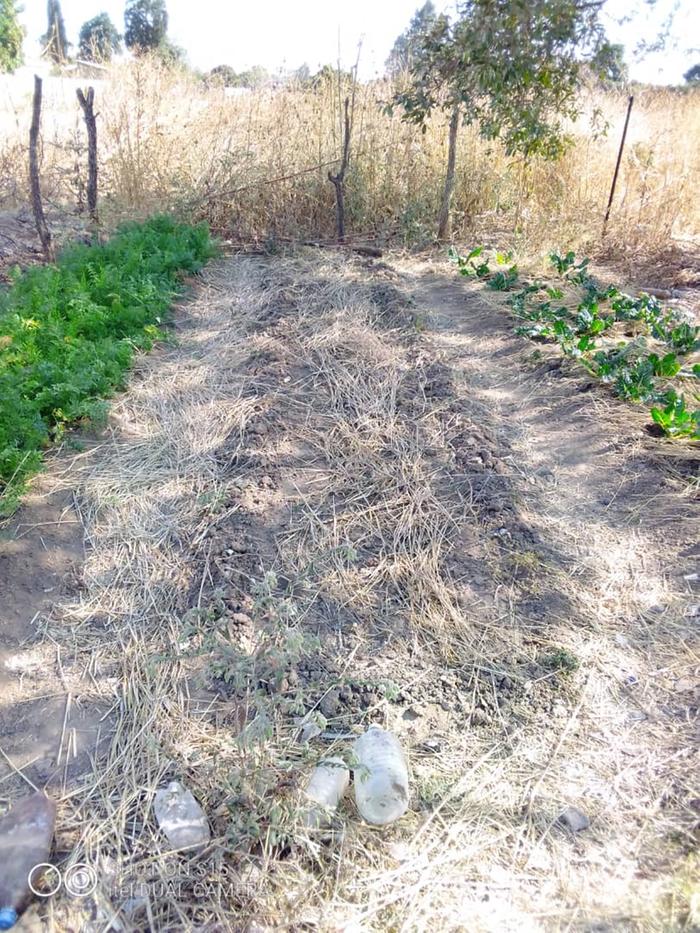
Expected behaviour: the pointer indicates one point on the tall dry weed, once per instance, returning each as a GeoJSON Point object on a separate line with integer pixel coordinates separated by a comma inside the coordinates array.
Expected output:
{"type": "Point", "coordinates": [255, 164]}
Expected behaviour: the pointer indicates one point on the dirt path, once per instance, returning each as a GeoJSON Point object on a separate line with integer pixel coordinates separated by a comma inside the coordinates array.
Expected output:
{"type": "Point", "coordinates": [349, 493]}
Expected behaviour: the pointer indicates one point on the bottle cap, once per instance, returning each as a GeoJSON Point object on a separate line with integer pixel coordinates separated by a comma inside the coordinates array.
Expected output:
{"type": "Point", "coordinates": [8, 917]}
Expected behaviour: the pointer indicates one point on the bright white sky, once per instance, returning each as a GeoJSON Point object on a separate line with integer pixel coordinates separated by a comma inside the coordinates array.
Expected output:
{"type": "Point", "coordinates": [285, 34]}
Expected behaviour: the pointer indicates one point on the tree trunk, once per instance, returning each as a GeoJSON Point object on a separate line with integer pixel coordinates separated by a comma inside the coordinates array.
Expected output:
{"type": "Point", "coordinates": [87, 104]}
{"type": "Point", "coordinates": [444, 215]}
{"type": "Point", "coordinates": [34, 183]}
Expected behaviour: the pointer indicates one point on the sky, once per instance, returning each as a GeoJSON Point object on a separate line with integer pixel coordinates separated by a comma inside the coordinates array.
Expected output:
{"type": "Point", "coordinates": [286, 34]}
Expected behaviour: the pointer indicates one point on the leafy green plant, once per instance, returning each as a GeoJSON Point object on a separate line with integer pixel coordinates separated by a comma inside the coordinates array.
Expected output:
{"type": "Point", "coordinates": [644, 308]}
{"type": "Point", "coordinates": [518, 301]}
{"type": "Point", "coordinates": [68, 333]}
{"type": "Point", "coordinates": [576, 273]}
{"type": "Point", "coordinates": [504, 259]}
{"type": "Point", "coordinates": [606, 363]}
{"type": "Point", "coordinates": [683, 337]}
{"type": "Point", "coordinates": [467, 265]}
{"type": "Point", "coordinates": [675, 420]}
{"type": "Point", "coordinates": [585, 344]}
{"type": "Point", "coordinates": [666, 366]}
{"type": "Point", "coordinates": [556, 294]}
{"type": "Point", "coordinates": [627, 367]}
{"type": "Point", "coordinates": [562, 263]}
{"type": "Point", "coordinates": [635, 382]}
{"type": "Point", "coordinates": [503, 281]}
{"type": "Point", "coordinates": [589, 320]}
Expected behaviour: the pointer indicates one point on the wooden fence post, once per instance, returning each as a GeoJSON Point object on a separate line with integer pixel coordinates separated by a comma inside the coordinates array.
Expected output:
{"type": "Point", "coordinates": [35, 186]}
{"type": "Point", "coordinates": [338, 180]}
{"type": "Point", "coordinates": [87, 104]}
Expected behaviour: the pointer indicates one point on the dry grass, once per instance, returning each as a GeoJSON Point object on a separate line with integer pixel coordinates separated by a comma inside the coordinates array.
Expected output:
{"type": "Point", "coordinates": [169, 143]}
{"type": "Point", "coordinates": [355, 509]}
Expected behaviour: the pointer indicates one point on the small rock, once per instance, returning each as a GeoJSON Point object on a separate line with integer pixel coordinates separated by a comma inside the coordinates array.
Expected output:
{"type": "Point", "coordinates": [574, 819]}
{"type": "Point", "coordinates": [309, 730]}
{"type": "Point", "coordinates": [479, 717]}
{"type": "Point", "coordinates": [330, 704]}
{"type": "Point", "coordinates": [240, 618]}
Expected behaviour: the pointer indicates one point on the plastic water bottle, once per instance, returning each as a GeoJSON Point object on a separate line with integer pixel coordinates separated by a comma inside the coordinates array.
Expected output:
{"type": "Point", "coordinates": [180, 817]}
{"type": "Point", "coordinates": [26, 834]}
{"type": "Point", "coordinates": [326, 787]}
{"type": "Point", "coordinates": [380, 776]}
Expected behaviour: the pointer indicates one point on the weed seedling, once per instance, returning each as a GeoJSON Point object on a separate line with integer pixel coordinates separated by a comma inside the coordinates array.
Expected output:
{"type": "Point", "coordinates": [561, 660]}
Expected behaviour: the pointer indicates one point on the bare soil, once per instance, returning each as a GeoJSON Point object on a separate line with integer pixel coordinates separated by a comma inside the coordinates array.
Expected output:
{"type": "Point", "coordinates": [49, 726]}
{"type": "Point", "coordinates": [349, 490]}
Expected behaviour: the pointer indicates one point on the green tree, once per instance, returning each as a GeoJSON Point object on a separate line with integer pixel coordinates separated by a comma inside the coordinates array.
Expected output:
{"type": "Point", "coordinates": [224, 74]}
{"type": "Point", "coordinates": [99, 39]}
{"type": "Point", "coordinates": [402, 54]}
{"type": "Point", "coordinates": [512, 67]}
{"type": "Point", "coordinates": [170, 53]}
{"type": "Point", "coordinates": [692, 75]}
{"type": "Point", "coordinates": [329, 75]}
{"type": "Point", "coordinates": [145, 24]}
{"type": "Point", "coordinates": [54, 39]}
{"type": "Point", "coordinates": [11, 36]}
{"type": "Point", "coordinates": [608, 63]}
{"type": "Point", "coordinates": [255, 77]}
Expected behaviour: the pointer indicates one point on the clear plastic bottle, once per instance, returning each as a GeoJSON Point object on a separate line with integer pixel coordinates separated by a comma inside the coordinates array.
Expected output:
{"type": "Point", "coordinates": [326, 787]}
{"type": "Point", "coordinates": [26, 834]}
{"type": "Point", "coordinates": [380, 777]}
{"type": "Point", "coordinates": [180, 817]}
